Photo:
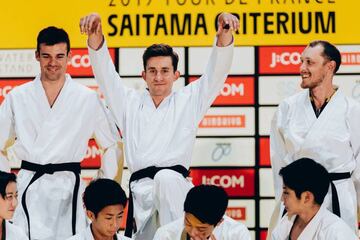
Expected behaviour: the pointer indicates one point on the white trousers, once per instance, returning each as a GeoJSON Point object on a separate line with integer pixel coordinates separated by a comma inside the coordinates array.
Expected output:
{"type": "Point", "coordinates": [158, 201]}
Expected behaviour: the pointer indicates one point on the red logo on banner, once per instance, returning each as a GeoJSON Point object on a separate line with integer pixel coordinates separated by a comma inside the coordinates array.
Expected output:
{"type": "Point", "coordinates": [265, 151]}
{"type": "Point", "coordinates": [79, 64]}
{"type": "Point", "coordinates": [223, 121]}
{"type": "Point", "coordinates": [6, 85]}
{"type": "Point", "coordinates": [237, 213]}
{"type": "Point", "coordinates": [236, 91]}
{"type": "Point", "coordinates": [93, 156]}
{"type": "Point", "coordinates": [280, 59]}
{"type": "Point", "coordinates": [350, 58]}
{"type": "Point", "coordinates": [236, 182]}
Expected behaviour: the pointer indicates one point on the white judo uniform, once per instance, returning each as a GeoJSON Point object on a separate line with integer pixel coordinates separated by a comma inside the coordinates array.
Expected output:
{"type": "Point", "coordinates": [162, 136]}
{"type": "Point", "coordinates": [86, 234]}
{"type": "Point", "coordinates": [229, 229]}
{"type": "Point", "coordinates": [13, 232]}
{"type": "Point", "coordinates": [332, 139]}
{"type": "Point", "coordinates": [46, 135]}
{"type": "Point", "coordinates": [324, 226]}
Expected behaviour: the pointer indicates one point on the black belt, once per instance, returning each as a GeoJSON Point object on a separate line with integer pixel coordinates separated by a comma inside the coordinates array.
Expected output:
{"type": "Point", "coordinates": [40, 170]}
{"type": "Point", "coordinates": [3, 227]}
{"type": "Point", "coordinates": [334, 195]}
{"type": "Point", "coordinates": [143, 173]}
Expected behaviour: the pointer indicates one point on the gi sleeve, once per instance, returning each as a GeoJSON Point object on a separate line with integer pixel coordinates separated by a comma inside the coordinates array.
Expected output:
{"type": "Point", "coordinates": [277, 147]}
{"type": "Point", "coordinates": [110, 83]}
{"type": "Point", "coordinates": [107, 138]}
{"type": "Point", "coordinates": [162, 234]}
{"type": "Point", "coordinates": [205, 89]}
{"type": "Point", "coordinates": [354, 129]}
{"type": "Point", "coordinates": [7, 132]}
{"type": "Point", "coordinates": [238, 232]}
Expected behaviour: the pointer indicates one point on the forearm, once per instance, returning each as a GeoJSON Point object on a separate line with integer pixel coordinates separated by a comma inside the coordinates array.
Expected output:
{"type": "Point", "coordinates": [212, 81]}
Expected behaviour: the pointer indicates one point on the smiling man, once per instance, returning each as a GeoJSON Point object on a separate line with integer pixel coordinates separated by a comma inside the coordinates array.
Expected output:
{"type": "Point", "coordinates": [305, 185]}
{"type": "Point", "coordinates": [50, 120]}
{"type": "Point", "coordinates": [105, 201]}
{"type": "Point", "coordinates": [321, 123]}
{"type": "Point", "coordinates": [159, 126]}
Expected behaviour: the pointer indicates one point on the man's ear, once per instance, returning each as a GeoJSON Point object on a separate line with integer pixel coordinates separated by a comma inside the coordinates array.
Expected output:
{"type": "Point", "coordinates": [90, 215]}
{"type": "Point", "coordinates": [69, 56]}
{"type": "Point", "coordinates": [308, 197]}
{"type": "Point", "coordinates": [143, 75]}
{"type": "Point", "coordinates": [177, 75]}
{"type": "Point", "coordinates": [37, 55]}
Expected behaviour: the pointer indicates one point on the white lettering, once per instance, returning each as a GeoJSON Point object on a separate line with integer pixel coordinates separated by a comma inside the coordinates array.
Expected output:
{"type": "Point", "coordinates": [78, 61]}
{"type": "Point", "coordinates": [225, 181]}
{"type": "Point", "coordinates": [285, 58]}
{"type": "Point", "coordinates": [232, 89]}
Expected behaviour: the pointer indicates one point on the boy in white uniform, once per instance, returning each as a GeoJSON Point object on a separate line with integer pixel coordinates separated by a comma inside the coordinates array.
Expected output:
{"type": "Point", "coordinates": [104, 200]}
{"type": "Point", "coordinates": [204, 208]}
{"type": "Point", "coordinates": [305, 184]}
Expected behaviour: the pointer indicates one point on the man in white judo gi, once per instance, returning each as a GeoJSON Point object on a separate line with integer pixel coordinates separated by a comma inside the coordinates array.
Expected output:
{"type": "Point", "coordinates": [322, 124]}
{"type": "Point", "coordinates": [159, 126]}
{"type": "Point", "coordinates": [305, 185]}
{"type": "Point", "coordinates": [204, 208]}
{"type": "Point", "coordinates": [51, 120]}
{"type": "Point", "coordinates": [105, 201]}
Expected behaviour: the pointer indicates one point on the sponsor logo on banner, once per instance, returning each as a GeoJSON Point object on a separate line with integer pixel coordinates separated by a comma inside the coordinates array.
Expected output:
{"type": "Point", "coordinates": [6, 85]}
{"type": "Point", "coordinates": [79, 64]}
{"type": "Point", "coordinates": [237, 213]}
{"type": "Point", "coordinates": [228, 121]}
{"type": "Point", "coordinates": [236, 182]}
{"type": "Point", "coordinates": [280, 59]}
{"type": "Point", "coordinates": [18, 63]}
{"type": "Point", "coordinates": [224, 152]}
{"type": "Point", "coordinates": [350, 58]}
{"type": "Point", "coordinates": [93, 155]}
{"type": "Point", "coordinates": [223, 121]}
{"type": "Point", "coordinates": [221, 151]}
{"type": "Point", "coordinates": [236, 91]}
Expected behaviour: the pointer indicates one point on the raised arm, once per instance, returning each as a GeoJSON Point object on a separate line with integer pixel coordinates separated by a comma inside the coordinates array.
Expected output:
{"type": "Point", "coordinates": [7, 133]}
{"type": "Point", "coordinates": [212, 81]}
{"type": "Point", "coordinates": [103, 67]}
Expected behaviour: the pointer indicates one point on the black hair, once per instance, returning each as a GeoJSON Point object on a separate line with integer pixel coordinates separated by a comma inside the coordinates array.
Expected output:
{"type": "Point", "coordinates": [330, 52]}
{"type": "Point", "coordinates": [102, 193]}
{"type": "Point", "coordinates": [157, 50]}
{"type": "Point", "coordinates": [51, 36]}
{"type": "Point", "coordinates": [5, 179]}
{"type": "Point", "coordinates": [306, 175]}
{"type": "Point", "coordinates": [207, 203]}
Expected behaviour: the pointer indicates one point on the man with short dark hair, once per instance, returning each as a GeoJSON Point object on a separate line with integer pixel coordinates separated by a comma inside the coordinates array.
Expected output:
{"type": "Point", "coordinates": [159, 126]}
{"type": "Point", "coordinates": [51, 120]}
{"type": "Point", "coordinates": [321, 123]}
{"type": "Point", "coordinates": [105, 201]}
{"type": "Point", "coordinates": [305, 185]}
{"type": "Point", "coordinates": [204, 208]}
